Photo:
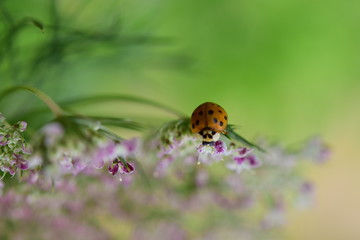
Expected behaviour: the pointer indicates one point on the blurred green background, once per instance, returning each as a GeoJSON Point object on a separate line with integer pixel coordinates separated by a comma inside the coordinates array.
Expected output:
{"type": "Point", "coordinates": [286, 70]}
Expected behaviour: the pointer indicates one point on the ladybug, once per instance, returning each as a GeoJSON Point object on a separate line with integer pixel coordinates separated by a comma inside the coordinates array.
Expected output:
{"type": "Point", "coordinates": [209, 120]}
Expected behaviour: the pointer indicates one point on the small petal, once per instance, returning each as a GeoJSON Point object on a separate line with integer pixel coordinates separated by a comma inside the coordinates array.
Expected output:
{"type": "Point", "coordinates": [98, 163]}
{"type": "Point", "coordinates": [243, 151]}
{"type": "Point", "coordinates": [127, 168]}
{"type": "Point", "coordinates": [252, 160]}
{"type": "Point", "coordinates": [113, 169]}
{"type": "Point", "coordinates": [130, 145]}
{"type": "Point", "coordinates": [307, 188]}
{"type": "Point", "coordinates": [79, 165]}
{"type": "Point", "coordinates": [239, 160]}
{"type": "Point", "coordinates": [220, 147]}
{"type": "Point", "coordinates": [22, 126]}
{"type": "Point", "coordinates": [35, 160]}
{"type": "Point", "coordinates": [24, 165]}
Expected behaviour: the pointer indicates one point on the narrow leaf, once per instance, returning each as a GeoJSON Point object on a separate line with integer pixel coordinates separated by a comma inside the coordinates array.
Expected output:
{"type": "Point", "coordinates": [231, 134]}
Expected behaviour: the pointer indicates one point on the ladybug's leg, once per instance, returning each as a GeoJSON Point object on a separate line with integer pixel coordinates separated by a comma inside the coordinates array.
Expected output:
{"type": "Point", "coordinates": [224, 132]}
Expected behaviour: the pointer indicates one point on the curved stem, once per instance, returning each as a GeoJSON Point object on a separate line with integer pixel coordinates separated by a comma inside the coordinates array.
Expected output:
{"type": "Point", "coordinates": [40, 94]}
{"type": "Point", "coordinates": [124, 98]}
{"type": "Point", "coordinates": [6, 123]}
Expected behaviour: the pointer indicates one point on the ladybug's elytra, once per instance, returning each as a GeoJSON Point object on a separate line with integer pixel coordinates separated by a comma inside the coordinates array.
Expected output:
{"type": "Point", "coordinates": [209, 120]}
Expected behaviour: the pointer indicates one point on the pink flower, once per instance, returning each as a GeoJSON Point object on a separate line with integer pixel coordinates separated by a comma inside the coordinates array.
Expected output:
{"type": "Point", "coordinates": [220, 147]}
{"type": "Point", "coordinates": [113, 169]}
{"type": "Point", "coordinates": [120, 167]}
{"type": "Point", "coordinates": [22, 126]}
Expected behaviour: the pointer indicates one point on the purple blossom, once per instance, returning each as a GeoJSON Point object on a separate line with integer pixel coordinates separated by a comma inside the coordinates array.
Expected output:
{"type": "Point", "coordinates": [220, 147]}
{"type": "Point", "coordinates": [163, 165]}
{"type": "Point", "coordinates": [9, 169]}
{"type": "Point", "coordinates": [104, 153]}
{"type": "Point", "coordinates": [244, 160]}
{"type": "Point", "coordinates": [305, 194]}
{"type": "Point", "coordinates": [22, 126]}
{"type": "Point", "coordinates": [34, 161]}
{"type": "Point", "coordinates": [13, 147]}
{"type": "Point", "coordinates": [275, 216]}
{"type": "Point", "coordinates": [33, 177]}
{"type": "Point", "coordinates": [249, 159]}
{"type": "Point", "coordinates": [306, 187]}
{"type": "Point", "coordinates": [118, 167]}
{"type": "Point", "coordinates": [316, 150]}
{"type": "Point", "coordinates": [20, 162]}
{"type": "Point", "coordinates": [70, 153]}
{"type": "Point", "coordinates": [66, 163]}
{"type": "Point", "coordinates": [98, 162]}
{"type": "Point", "coordinates": [209, 154]}
{"type": "Point", "coordinates": [52, 132]}
{"type": "Point", "coordinates": [113, 169]}
{"type": "Point", "coordinates": [78, 165]}
{"type": "Point", "coordinates": [127, 167]}
{"type": "Point", "coordinates": [130, 145]}
{"type": "Point", "coordinates": [243, 151]}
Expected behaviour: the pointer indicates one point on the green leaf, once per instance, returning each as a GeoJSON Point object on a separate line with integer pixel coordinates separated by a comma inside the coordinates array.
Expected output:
{"type": "Point", "coordinates": [110, 134]}
{"type": "Point", "coordinates": [232, 135]}
{"type": "Point", "coordinates": [93, 121]}
{"type": "Point", "coordinates": [51, 104]}
{"type": "Point", "coordinates": [129, 98]}
{"type": "Point", "coordinates": [119, 122]}
{"type": "Point", "coordinates": [35, 22]}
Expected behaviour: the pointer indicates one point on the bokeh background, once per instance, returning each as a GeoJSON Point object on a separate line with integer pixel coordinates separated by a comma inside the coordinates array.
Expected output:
{"type": "Point", "coordinates": [286, 70]}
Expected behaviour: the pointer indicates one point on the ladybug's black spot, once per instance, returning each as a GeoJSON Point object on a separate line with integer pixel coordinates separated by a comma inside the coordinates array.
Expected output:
{"type": "Point", "coordinates": [193, 126]}
{"type": "Point", "coordinates": [213, 132]}
{"type": "Point", "coordinates": [210, 112]}
{"type": "Point", "coordinates": [221, 123]}
{"type": "Point", "coordinates": [220, 111]}
{"type": "Point", "coordinates": [225, 117]}
{"type": "Point", "coordinates": [201, 113]}
{"type": "Point", "coordinates": [215, 120]}
{"type": "Point", "coordinates": [197, 122]}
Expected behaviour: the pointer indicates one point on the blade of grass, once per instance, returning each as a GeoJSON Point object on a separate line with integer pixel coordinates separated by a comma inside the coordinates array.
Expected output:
{"type": "Point", "coordinates": [231, 134]}
{"type": "Point", "coordinates": [128, 98]}
{"type": "Point", "coordinates": [54, 107]}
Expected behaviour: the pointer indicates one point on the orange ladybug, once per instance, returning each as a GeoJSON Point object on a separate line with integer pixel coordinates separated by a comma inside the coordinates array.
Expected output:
{"type": "Point", "coordinates": [209, 120]}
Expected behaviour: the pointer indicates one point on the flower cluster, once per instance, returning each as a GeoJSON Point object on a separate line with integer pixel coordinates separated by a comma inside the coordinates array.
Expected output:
{"type": "Point", "coordinates": [120, 167]}
{"type": "Point", "coordinates": [62, 148]}
{"type": "Point", "coordinates": [175, 141]}
{"type": "Point", "coordinates": [14, 150]}
{"type": "Point", "coordinates": [228, 179]}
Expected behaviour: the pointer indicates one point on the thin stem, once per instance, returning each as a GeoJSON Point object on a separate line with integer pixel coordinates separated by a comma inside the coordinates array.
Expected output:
{"type": "Point", "coordinates": [3, 176]}
{"type": "Point", "coordinates": [124, 98]}
{"type": "Point", "coordinates": [54, 107]}
{"type": "Point", "coordinates": [6, 123]}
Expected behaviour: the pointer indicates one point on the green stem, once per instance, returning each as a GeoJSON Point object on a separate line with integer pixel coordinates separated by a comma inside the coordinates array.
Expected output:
{"type": "Point", "coordinates": [7, 124]}
{"type": "Point", "coordinates": [124, 98]}
{"type": "Point", "coordinates": [58, 112]}
{"type": "Point", "coordinates": [3, 176]}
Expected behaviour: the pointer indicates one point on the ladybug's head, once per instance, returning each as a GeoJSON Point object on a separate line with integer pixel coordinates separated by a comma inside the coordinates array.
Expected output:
{"type": "Point", "coordinates": [209, 136]}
